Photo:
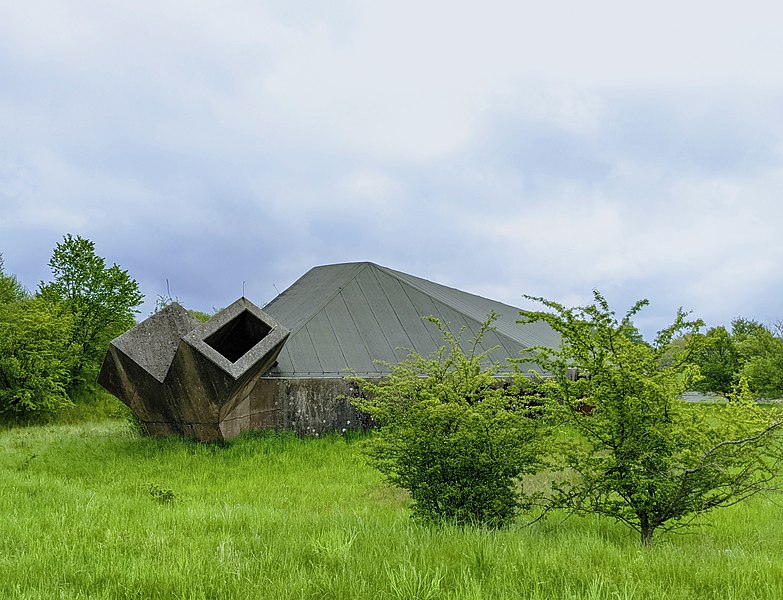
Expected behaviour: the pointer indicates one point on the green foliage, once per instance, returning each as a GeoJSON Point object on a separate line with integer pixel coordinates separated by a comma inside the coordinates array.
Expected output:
{"type": "Point", "coordinates": [33, 361]}
{"type": "Point", "coordinates": [761, 358]}
{"type": "Point", "coordinates": [716, 355]}
{"type": "Point", "coordinates": [11, 290]}
{"type": "Point", "coordinates": [200, 315]}
{"type": "Point", "coordinates": [644, 457]}
{"type": "Point", "coordinates": [77, 521]}
{"type": "Point", "coordinates": [34, 364]}
{"type": "Point", "coordinates": [162, 302]}
{"type": "Point", "coordinates": [100, 300]}
{"type": "Point", "coordinates": [451, 435]}
{"type": "Point", "coordinates": [740, 392]}
{"type": "Point", "coordinates": [751, 350]}
{"type": "Point", "coordinates": [160, 494]}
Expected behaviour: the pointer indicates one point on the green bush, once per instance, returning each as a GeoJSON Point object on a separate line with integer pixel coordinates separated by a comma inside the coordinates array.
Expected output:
{"type": "Point", "coordinates": [452, 435]}
{"type": "Point", "coordinates": [34, 364]}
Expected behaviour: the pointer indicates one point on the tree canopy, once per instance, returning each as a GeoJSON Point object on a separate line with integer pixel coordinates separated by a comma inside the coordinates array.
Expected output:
{"type": "Point", "coordinates": [641, 455]}
{"type": "Point", "coordinates": [53, 342]}
{"type": "Point", "coordinates": [101, 301]}
{"type": "Point", "coordinates": [750, 350]}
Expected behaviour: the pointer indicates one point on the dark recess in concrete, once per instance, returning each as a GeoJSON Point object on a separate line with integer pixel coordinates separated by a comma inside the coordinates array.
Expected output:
{"type": "Point", "coordinates": [235, 338]}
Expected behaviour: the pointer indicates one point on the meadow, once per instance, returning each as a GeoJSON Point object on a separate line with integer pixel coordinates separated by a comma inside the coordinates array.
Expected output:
{"type": "Point", "coordinates": [94, 510]}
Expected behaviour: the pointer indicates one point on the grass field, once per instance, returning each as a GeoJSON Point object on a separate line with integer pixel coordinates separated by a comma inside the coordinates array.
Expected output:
{"type": "Point", "coordinates": [95, 511]}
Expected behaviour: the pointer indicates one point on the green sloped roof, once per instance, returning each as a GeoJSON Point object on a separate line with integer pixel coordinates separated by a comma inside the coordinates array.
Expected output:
{"type": "Point", "coordinates": [345, 317]}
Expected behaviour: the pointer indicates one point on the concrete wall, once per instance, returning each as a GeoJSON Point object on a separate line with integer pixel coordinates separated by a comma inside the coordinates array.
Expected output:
{"type": "Point", "coordinates": [182, 377]}
{"type": "Point", "coordinates": [307, 406]}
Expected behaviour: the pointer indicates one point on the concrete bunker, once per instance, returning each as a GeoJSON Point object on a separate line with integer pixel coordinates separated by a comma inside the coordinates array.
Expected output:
{"type": "Point", "coordinates": [285, 367]}
{"type": "Point", "coordinates": [182, 377]}
{"type": "Point", "coordinates": [344, 319]}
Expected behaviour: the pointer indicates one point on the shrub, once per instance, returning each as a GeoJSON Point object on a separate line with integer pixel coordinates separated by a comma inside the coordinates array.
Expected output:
{"type": "Point", "coordinates": [451, 435]}
{"type": "Point", "coordinates": [34, 363]}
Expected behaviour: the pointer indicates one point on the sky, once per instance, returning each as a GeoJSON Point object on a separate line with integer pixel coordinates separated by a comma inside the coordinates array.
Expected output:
{"type": "Point", "coordinates": [501, 147]}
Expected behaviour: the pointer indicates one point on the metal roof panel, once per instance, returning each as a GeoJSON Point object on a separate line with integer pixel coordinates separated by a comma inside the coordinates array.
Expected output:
{"type": "Point", "coordinates": [344, 317]}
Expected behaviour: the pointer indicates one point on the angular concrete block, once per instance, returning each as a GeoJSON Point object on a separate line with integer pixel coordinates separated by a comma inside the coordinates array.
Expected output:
{"type": "Point", "coordinates": [183, 377]}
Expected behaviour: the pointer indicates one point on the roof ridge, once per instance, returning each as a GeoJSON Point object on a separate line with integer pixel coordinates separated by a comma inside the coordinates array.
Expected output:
{"type": "Point", "coordinates": [332, 296]}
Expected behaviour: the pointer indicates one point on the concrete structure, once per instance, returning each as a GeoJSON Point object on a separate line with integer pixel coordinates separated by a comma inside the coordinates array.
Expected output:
{"type": "Point", "coordinates": [285, 367]}
{"type": "Point", "coordinates": [180, 376]}
{"type": "Point", "coordinates": [344, 319]}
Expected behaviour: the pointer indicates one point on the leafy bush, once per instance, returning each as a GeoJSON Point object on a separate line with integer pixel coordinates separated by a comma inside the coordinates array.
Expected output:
{"type": "Point", "coordinates": [452, 435]}
{"type": "Point", "coordinates": [646, 458]}
{"type": "Point", "coordinates": [34, 364]}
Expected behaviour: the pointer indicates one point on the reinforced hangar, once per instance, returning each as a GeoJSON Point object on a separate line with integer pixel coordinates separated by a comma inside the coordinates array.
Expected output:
{"type": "Point", "coordinates": [285, 366]}
{"type": "Point", "coordinates": [349, 319]}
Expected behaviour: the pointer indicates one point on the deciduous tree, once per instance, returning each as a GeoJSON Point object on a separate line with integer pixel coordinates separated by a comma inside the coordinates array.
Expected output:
{"type": "Point", "coordinates": [100, 300]}
{"type": "Point", "coordinates": [718, 360]}
{"type": "Point", "coordinates": [760, 354]}
{"type": "Point", "coordinates": [642, 456]}
{"type": "Point", "coordinates": [11, 290]}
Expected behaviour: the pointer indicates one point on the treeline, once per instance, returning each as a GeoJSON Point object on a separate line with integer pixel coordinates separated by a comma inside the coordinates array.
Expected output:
{"type": "Point", "coordinates": [750, 353]}
{"type": "Point", "coordinates": [52, 341]}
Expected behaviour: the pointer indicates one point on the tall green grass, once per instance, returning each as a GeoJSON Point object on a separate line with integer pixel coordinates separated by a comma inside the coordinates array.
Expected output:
{"type": "Point", "coordinates": [96, 511]}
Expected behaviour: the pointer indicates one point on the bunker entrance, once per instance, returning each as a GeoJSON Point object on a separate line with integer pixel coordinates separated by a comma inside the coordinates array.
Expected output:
{"type": "Point", "coordinates": [234, 339]}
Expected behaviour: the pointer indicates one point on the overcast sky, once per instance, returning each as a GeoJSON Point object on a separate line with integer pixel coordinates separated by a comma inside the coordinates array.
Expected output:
{"type": "Point", "coordinates": [501, 147]}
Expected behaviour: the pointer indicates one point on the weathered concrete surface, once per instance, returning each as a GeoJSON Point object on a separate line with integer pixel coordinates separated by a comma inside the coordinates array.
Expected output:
{"type": "Point", "coordinates": [181, 377]}
{"type": "Point", "coordinates": [307, 406]}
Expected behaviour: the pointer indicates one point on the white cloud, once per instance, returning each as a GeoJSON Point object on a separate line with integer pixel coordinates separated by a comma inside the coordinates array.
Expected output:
{"type": "Point", "coordinates": [505, 146]}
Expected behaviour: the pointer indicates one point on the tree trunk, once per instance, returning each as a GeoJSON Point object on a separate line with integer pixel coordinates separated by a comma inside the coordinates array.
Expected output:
{"type": "Point", "coordinates": [646, 529]}
{"type": "Point", "coordinates": [647, 534]}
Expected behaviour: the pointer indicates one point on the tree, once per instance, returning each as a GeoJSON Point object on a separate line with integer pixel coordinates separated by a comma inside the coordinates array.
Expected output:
{"type": "Point", "coordinates": [11, 290]}
{"type": "Point", "coordinates": [760, 354]}
{"type": "Point", "coordinates": [718, 360]}
{"type": "Point", "coordinates": [33, 362]}
{"type": "Point", "coordinates": [451, 435]}
{"type": "Point", "coordinates": [750, 350]}
{"type": "Point", "coordinates": [100, 300]}
{"type": "Point", "coordinates": [643, 456]}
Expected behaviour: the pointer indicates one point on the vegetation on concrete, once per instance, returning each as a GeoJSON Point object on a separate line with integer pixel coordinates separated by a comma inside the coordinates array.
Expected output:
{"type": "Point", "coordinates": [451, 436]}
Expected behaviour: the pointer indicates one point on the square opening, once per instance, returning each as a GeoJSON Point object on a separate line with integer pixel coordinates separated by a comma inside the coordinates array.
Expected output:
{"type": "Point", "coordinates": [240, 334]}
